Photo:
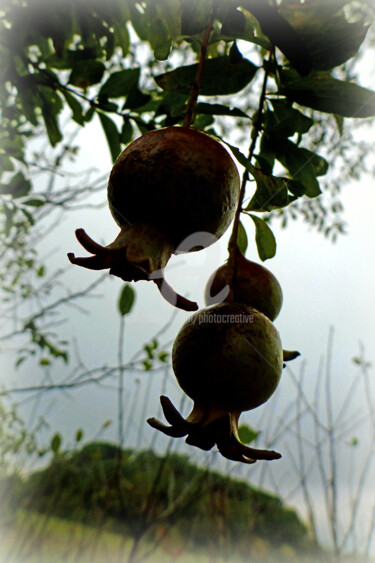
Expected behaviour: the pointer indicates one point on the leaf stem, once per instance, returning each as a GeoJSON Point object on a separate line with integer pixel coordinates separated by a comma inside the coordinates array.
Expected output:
{"type": "Point", "coordinates": [194, 93]}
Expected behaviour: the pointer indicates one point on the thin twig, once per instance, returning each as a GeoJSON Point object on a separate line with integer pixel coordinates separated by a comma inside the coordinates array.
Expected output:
{"type": "Point", "coordinates": [194, 93]}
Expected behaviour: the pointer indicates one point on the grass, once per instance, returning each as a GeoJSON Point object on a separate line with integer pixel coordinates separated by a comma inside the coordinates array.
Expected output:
{"type": "Point", "coordinates": [38, 538]}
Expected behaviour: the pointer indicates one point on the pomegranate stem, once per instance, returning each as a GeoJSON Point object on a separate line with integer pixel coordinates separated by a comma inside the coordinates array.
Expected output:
{"type": "Point", "coordinates": [194, 93]}
{"type": "Point", "coordinates": [256, 128]}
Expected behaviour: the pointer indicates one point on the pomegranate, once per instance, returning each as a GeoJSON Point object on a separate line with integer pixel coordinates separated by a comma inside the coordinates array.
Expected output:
{"type": "Point", "coordinates": [164, 187]}
{"type": "Point", "coordinates": [251, 284]}
{"type": "Point", "coordinates": [228, 358]}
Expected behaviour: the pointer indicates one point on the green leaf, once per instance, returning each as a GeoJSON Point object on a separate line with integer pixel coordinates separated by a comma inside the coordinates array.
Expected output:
{"type": "Point", "coordinates": [86, 73]}
{"type": "Point", "coordinates": [163, 357]}
{"type": "Point", "coordinates": [75, 106]}
{"type": "Point", "coordinates": [56, 442]}
{"type": "Point", "coordinates": [264, 238]}
{"type": "Point", "coordinates": [329, 37]}
{"type": "Point", "coordinates": [35, 202]}
{"type": "Point", "coordinates": [242, 159]}
{"type": "Point", "coordinates": [18, 186]}
{"type": "Point", "coordinates": [234, 22]}
{"type": "Point", "coordinates": [271, 192]}
{"type": "Point", "coordinates": [172, 104]}
{"type": "Point", "coordinates": [242, 238]}
{"type": "Point", "coordinates": [219, 109]}
{"type": "Point", "coordinates": [126, 132]}
{"type": "Point", "coordinates": [160, 39]}
{"type": "Point", "coordinates": [51, 105]}
{"type": "Point", "coordinates": [44, 362]}
{"type": "Point", "coordinates": [303, 165]}
{"type": "Point", "coordinates": [112, 135]}
{"type": "Point", "coordinates": [120, 83]}
{"type": "Point", "coordinates": [195, 16]}
{"type": "Point", "coordinates": [286, 120]}
{"type": "Point", "coordinates": [136, 99]}
{"type": "Point", "coordinates": [220, 77]}
{"type": "Point", "coordinates": [203, 121]}
{"type": "Point", "coordinates": [281, 34]}
{"type": "Point", "coordinates": [79, 435]}
{"type": "Point", "coordinates": [6, 165]}
{"type": "Point", "coordinates": [26, 95]}
{"type": "Point", "coordinates": [126, 300]}
{"type": "Point", "coordinates": [324, 93]}
{"type": "Point", "coordinates": [247, 434]}
{"type": "Point", "coordinates": [147, 365]}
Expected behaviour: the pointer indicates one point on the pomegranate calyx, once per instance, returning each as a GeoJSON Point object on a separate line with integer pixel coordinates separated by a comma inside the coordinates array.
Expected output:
{"type": "Point", "coordinates": [205, 428]}
{"type": "Point", "coordinates": [138, 253]}
{"type": "Point", "coordinates": [289, 355]}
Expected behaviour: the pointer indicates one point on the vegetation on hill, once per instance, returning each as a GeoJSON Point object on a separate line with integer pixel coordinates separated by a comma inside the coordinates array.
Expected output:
{"type": "Point", "coordinates": [142, 493]}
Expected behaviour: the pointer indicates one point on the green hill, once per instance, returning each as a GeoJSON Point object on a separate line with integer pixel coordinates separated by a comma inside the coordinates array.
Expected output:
{"type": "Point", "coordinates": [161, 500]}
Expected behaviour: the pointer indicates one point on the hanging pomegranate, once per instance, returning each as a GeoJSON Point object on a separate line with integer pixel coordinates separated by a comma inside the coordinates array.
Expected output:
{"type": "Point", "coordinates": [166, 186]}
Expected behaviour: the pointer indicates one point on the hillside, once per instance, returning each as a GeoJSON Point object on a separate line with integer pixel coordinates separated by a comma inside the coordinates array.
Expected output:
{"type": "Point", "coordinates": [164, 501]}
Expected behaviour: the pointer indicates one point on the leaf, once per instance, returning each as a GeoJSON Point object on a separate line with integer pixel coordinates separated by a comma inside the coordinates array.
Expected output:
{"type": "Point", "coordinates": [324, 93]}
{"type": "Point", "coordinates": [247, 434]}
{"type": "Point", "coordinates": [242, 238]}
{"type": "Point", "coordinates": [163, 357]}
{"type": "Point", "coordinates": [126, 132]}
{"type": "Point", "coordinates": [51, 105]}
{"type": "Point", "coordinates": [264, 238]}
{"type": "Point", "coordinates": [79, 435]}
{"type": "Point", "coordinates": [234, 22]}
{"type": "Point", "coordinates": [219, 109]}
{"type": "Point", "coordinates": [120, 83]}
{"type": "Point", "coordinates": [195, 16]}
{"type": "Point", "coordinates": [220, 77]}
{"type": "Point", "coordinates": [126, 300]}
{"type": "Point", "coordinates": [136, 99]}
{"type": "Point", "coordinates": [203, 121]}
{"type": "Point", "coordinates": [35, 202]}
{"type": "Point", "coordinates": [112, 135]}
{"type": "Point", "coordinates": [242, 159]}
{"type": "Point", "coordinates": [160, 39]}
{"type": "Point", "coordinates": [86, 73]}
{"type": "Point", "coordinates": [271, 192]}
{"type": "Point", "coordinates": [18, 186]}
{"type": "Point", "coordinates": [330, 38]}
{"type": "Point", "coordinates": [303, 165]}
{"type": "Point", "coordinates": [281, 34]}
{"type": "Point", "coordinates": [56, 442]}
{"type": "Point", "coordinates": [26, 95]}
{"type": "Point", "coordinates": [286, 120]}
{"type": "Point", "coordinates": [147, 365]}
{"type": "Point", "coordinates": [75, 106]}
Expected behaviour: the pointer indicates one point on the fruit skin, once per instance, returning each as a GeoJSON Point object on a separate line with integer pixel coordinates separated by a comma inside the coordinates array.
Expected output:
{"type": "Point", "coordinates": [230, 366]}
{"type": "Point", "coordinates": [178, 180]}
{"type": "Point", "coordinates": [252, 284]}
